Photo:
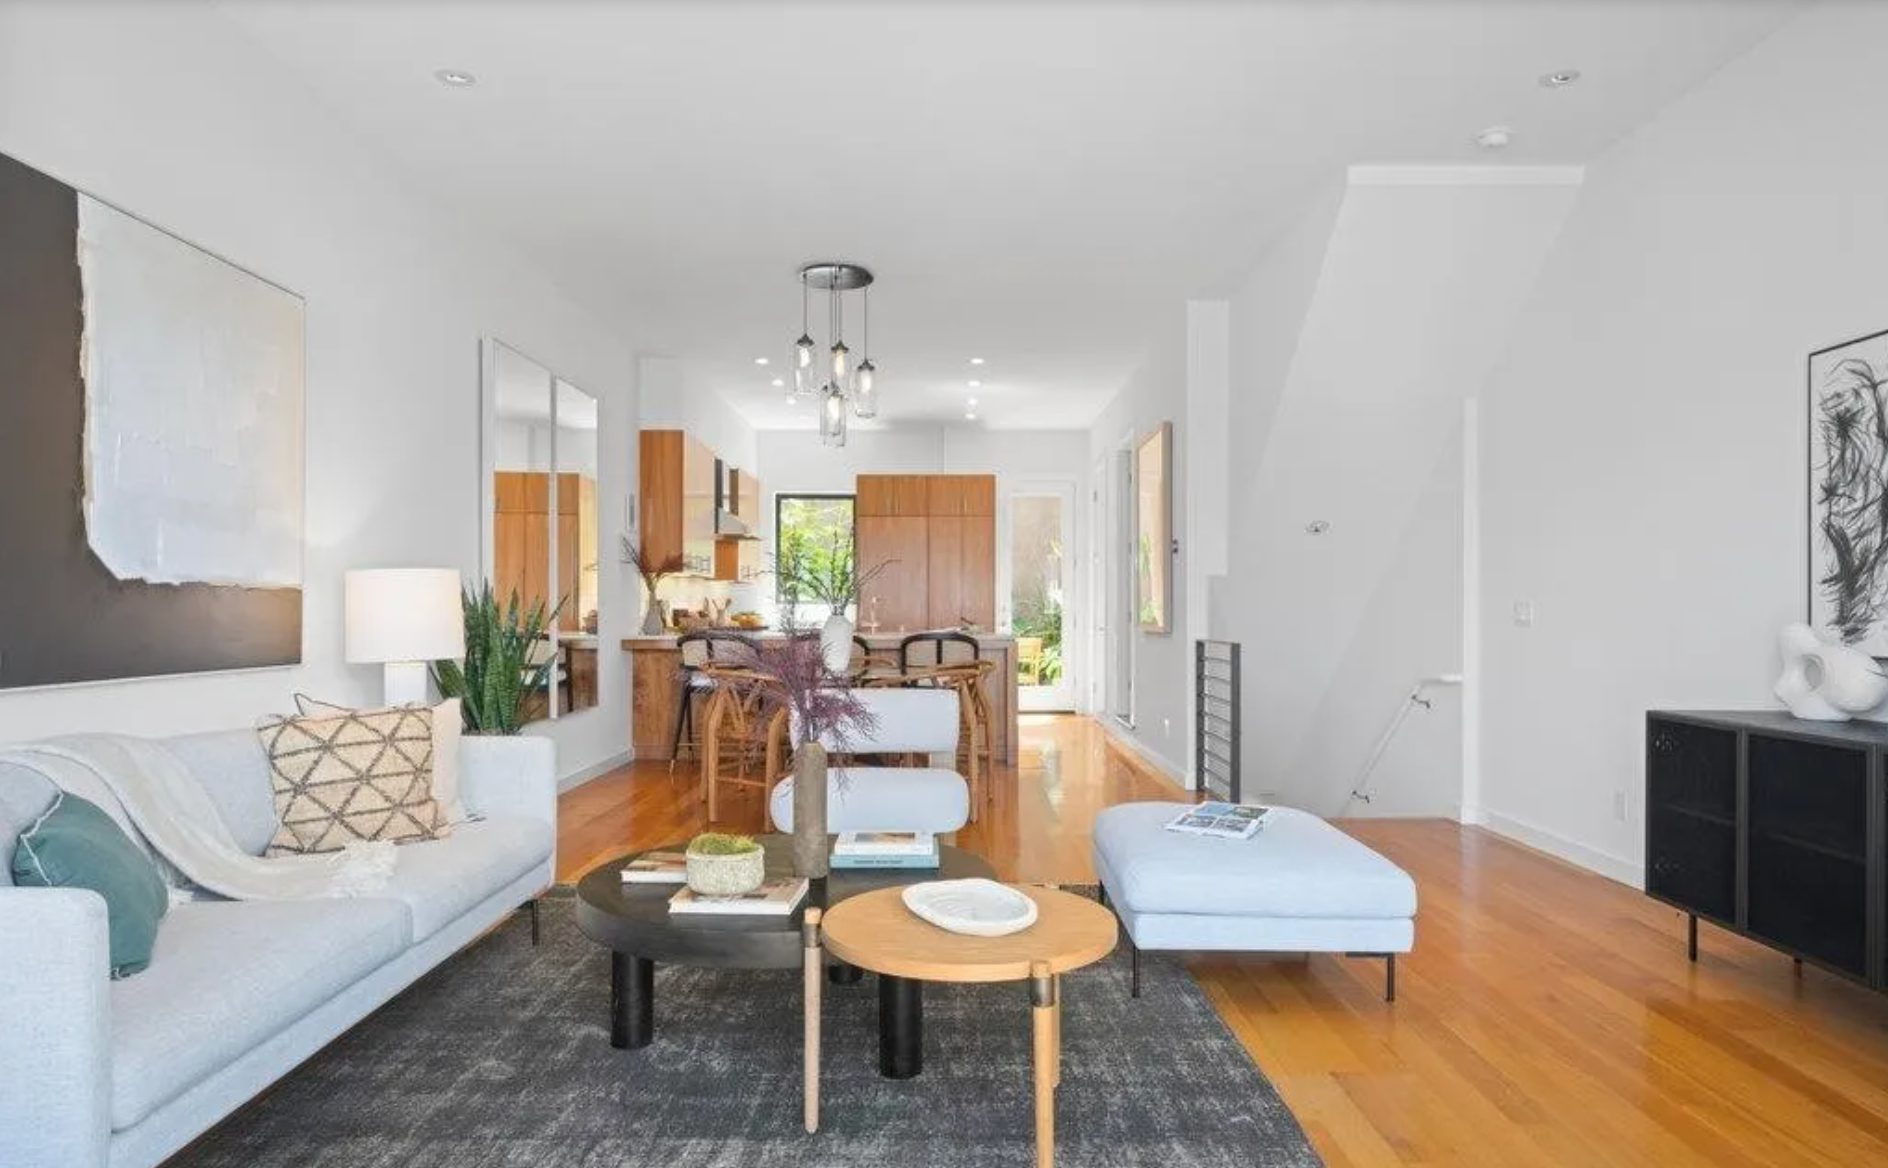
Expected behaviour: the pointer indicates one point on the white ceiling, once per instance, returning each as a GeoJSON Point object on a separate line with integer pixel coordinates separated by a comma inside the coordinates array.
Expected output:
{"type": "Point", "coordinates": [1032, 182]}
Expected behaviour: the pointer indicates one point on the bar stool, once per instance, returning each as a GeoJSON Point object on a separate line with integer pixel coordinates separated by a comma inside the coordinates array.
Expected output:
{"type": "Point", "coordinates": [699, 650]}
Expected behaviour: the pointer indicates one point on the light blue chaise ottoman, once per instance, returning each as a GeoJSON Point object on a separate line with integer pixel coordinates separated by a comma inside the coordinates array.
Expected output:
{"type": "Point", "coordinates": [1298, 886]}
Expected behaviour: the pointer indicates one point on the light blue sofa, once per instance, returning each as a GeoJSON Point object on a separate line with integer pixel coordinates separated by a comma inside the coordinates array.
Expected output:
{"type": "Point", "coordinates": [101, 1073]}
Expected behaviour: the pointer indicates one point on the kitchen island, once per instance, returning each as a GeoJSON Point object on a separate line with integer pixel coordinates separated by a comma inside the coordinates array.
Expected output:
{"type": "Point", "coordinates": [655, 688]}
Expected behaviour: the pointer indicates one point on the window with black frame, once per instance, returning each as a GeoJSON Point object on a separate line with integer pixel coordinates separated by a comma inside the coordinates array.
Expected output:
{"type": "Point", "coordinates": [813, 555]}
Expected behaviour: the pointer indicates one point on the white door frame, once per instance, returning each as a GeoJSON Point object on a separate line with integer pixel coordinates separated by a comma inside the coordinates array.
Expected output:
{"type": "Point", "coordinates": [1065, 696]}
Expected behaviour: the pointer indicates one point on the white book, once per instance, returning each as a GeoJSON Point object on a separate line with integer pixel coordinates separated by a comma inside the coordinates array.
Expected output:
{"type": "Point", "coordinates": [657, 868]}
{"type": "Point", "coordinates": [776, 897]}
{"type": "Point", "coordinates": [885, 843]}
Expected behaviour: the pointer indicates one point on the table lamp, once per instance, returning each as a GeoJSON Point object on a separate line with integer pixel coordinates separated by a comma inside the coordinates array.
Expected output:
{"type": "Point", "coordinates": [403, 618]}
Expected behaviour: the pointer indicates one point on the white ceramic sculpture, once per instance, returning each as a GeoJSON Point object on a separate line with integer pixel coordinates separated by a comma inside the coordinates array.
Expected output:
{"type": "Point", "coordinates": [1825, 681]}
{"type": "Point", "coordinates": [975, 907]}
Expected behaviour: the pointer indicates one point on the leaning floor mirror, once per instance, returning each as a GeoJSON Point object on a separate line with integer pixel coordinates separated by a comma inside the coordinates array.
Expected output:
{"type": "Point", "coordinates": [539, 492]}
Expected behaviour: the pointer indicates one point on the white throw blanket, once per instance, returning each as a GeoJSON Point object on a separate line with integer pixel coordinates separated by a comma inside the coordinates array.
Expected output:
{"type": "Point", "coordinates": [173, 812]}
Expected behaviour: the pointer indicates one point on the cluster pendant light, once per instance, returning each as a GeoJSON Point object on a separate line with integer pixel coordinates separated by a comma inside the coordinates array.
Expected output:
{"type": "Point", "coordinates": [842, 389]}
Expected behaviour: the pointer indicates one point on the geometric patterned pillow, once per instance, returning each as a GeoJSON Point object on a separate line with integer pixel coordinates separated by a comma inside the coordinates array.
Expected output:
{"type": "Point", "coordinates": [351, 775]}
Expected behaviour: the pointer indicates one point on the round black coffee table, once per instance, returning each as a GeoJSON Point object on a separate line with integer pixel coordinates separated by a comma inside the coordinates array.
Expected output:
{"type": "Point", "coordinates": [632, 921]}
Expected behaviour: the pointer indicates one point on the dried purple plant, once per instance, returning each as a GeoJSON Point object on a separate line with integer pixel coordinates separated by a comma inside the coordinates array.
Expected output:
{"type": "Point", "coordinates": [821, 705]}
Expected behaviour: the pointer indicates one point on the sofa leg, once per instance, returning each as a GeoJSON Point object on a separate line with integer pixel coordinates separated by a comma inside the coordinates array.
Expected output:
{"type": "Point", "coordinates": [1101, 895]}
{"type": "Point", "coordinates": [1389, 978]}
{"type": "Point", "coordinates": [1134, 969]}
{"type": "Point", "coordinates": [531, 906]}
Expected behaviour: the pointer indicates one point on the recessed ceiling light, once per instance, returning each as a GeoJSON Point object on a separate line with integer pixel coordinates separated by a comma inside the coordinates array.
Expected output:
{"type": "Point", "coordinates": [1559, 78]}
{"type": "Point", "coordinates": [972, 403]}
{"type": "Point", "coordinates": [1494, 138]}
{"type": "Point", "coordinates": [973, 383]}
{"type": "Point", "coordinates": [760, 360]}
{"type": "Point", "coordinates": [457, 78]}
{"type": "Point", "coordinates": [971, 416]}
{"type": "Point", "coordinates": [778, 382]}
{"type": "Point", "coordinates": [976, 360]}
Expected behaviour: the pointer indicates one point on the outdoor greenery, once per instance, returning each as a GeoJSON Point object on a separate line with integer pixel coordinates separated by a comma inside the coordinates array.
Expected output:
{"type": "Point", "coordinates": [497, 675]}
{"type": "Point", "coordinates": [714, 843]}
{"type": "Point", "coordinates": [815, 561]}
{"type": "Point", "coordinates": [1041, 616]}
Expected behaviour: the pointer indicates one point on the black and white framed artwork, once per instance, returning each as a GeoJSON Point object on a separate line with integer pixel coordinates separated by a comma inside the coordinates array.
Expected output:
{"type": "Point", "coordinates": [1848, 492]}
{"type": "Point", "coordinates": [150, 448]}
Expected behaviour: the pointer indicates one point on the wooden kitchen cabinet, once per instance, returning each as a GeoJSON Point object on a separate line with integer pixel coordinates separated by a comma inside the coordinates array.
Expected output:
{"type": "Point", "coordinates": [659, 512]}
{"type": "Point", "coordinates": [897, 599]}
{"type": "Point", "coordinates": [941, 530]}
{"type": "Point", "coordinates": [521, 547]}
{"type": "Point", "coordinates": [892, 495]}
{"type": "Point", "coordinates": [961, 571]}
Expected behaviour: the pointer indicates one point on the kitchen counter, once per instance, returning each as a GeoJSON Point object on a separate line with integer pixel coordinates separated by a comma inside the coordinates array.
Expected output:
{"type": "Point", "coordinates": [880, 639]}
{"type": "Point", "coordinates": [656, 688]}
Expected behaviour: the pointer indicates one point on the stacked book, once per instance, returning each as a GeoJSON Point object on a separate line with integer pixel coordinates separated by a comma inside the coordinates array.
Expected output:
{"type": "Point", "coordinates": [897, 850]}
{"type": "Point", "coordinates": [776, 897]}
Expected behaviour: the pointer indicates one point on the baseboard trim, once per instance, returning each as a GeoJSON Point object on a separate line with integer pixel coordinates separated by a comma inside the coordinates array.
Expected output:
{"type": "Point", "coordinates": [595, 770]}
{"type": "Point", "coordinates": [1127, 740]}
{"type": "Point", "coordinates": [1592, 859]}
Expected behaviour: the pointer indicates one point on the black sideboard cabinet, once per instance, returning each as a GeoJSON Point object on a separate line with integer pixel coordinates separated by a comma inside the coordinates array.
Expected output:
{"type": "Point", "coordinates": [1772, 827]}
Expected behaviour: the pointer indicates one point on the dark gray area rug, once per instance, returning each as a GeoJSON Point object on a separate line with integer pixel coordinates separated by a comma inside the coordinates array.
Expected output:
{"type": "Point", "coordinates": [501, 1057]}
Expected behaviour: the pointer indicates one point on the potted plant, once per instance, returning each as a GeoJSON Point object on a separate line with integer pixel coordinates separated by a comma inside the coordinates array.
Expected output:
{"type": "Point", "coordinates": [819, 707]}
{"type": "Point", "coordinates": [653, 572]}
{"type": "Point", "coordinates": [499, 673]}
{"type": "Point", "coordinates": [827, 572]}
{"type": "Point", "coordinates": [724, 865]}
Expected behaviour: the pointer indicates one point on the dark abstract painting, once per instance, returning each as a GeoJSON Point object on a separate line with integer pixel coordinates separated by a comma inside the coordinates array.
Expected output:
{"type": "Point", "coordinates": [1848, 491]}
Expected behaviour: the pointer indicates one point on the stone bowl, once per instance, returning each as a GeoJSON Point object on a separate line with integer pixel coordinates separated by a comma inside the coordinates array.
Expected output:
{"type": "Point", "coordinates": [726, 875]}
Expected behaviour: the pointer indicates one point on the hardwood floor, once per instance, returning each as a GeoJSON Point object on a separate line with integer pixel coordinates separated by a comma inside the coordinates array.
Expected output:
{"type": "Point", "coordinates": [1547, 1015]}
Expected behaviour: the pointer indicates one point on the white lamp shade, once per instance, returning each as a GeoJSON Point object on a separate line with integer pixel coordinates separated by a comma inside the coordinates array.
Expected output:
{"type": "Point", "coordinates": [404, 614]}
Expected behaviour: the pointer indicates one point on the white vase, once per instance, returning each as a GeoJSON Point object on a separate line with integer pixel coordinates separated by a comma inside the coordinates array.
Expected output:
{"type": "Point", "coordinates": [835, 643]}
{"type": "Point", "coordinates": [1824, 680]}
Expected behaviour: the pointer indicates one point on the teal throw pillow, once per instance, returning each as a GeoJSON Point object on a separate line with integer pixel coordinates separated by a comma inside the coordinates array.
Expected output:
{"type": "Point", "coordinates": [77, 845]}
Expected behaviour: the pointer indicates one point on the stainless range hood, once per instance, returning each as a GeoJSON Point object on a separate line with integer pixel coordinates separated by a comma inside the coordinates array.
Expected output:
{"type": "Point", "coordinates": [729, 524]}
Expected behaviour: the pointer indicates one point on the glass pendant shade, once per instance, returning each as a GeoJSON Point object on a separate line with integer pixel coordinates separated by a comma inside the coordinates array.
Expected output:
{"type": "Point", "coordinates": [865, 391]}
{"type": "Point", "coordinates": [832, 417]}
{"type": "Point", "coordinates": [840, 354]}
{"type": "Point", "coordinates": [803, 352]}
{"type": "Point", "coordinates": [803, 381]}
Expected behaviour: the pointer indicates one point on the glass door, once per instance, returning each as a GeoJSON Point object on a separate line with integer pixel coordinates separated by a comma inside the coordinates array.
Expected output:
{"type": "Point", "coordinates": [1041, 531]}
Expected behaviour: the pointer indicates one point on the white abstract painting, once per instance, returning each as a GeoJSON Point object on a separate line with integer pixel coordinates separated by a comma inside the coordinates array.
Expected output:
{"type": "Point", "coordinates": [193, 404]}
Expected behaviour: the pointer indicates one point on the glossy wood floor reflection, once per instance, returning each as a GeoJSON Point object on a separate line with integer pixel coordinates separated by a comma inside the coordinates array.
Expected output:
{"type": "Point", "coordinates": [1547, 1017]}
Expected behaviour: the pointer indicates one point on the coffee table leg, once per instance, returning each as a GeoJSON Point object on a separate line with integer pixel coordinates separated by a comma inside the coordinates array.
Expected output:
{"type": "Point", "coordinates": [632, 1001]}
{"type": "Point", "coordinates": [900, 1027]}
{"type": "Point", "coordinates": [1044, 1009]}
{"type": "Point", "coordinates": [809, 941]}
{"type": "Point", "coordinates": [839, 973]}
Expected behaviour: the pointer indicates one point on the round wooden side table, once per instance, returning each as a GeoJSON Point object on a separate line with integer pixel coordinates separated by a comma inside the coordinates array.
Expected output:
{"type": "Point", "coordinates": [876, 932]}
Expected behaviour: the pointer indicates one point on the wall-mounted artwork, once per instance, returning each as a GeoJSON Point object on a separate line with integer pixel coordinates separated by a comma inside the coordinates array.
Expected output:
{"type": "Point", "coordinates": [1848, 491]}
{"type": "Point", "coordinates": [1153, 524]}
{"type": "Point", "coordinates": [150, 448]}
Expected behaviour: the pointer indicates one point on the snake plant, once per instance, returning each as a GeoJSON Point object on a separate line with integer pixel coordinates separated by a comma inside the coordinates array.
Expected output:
{"type": "Point", "coordinates": [499, 673]}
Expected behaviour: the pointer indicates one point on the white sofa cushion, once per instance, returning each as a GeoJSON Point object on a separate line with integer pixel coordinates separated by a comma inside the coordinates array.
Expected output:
{"type": "Point", "coordinates": [884, 799]}
{"type": "Point", "coordinates": [227, 975]}
{"type": "Point", "coordinates": [1296, 866]}
{"type": "Point", "coordinates": [440, 880]}
{"type": "Point", "coordinates": [234, 769]}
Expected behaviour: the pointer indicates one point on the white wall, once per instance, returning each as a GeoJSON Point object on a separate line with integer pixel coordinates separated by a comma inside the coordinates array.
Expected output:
{"type": "Point", "coordinates": [170, 113]}
{"type": "Point", "coordinates": [1644, 444]}
{"type": "Point", "coordinates": [1163, 662]}
{"type": "Point", "coordinates": [671, 398]}
{"type": "Point", "coordinates": [1352, 422]}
